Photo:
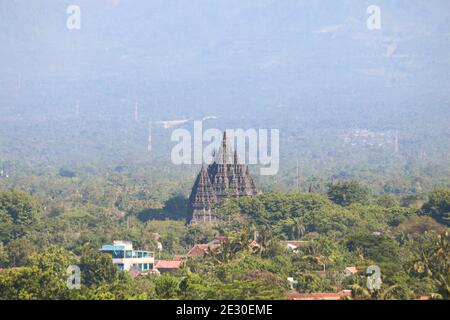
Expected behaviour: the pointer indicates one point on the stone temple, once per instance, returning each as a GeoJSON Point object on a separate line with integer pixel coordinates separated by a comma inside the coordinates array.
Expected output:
{"type": "Point", "coordinates": [225, 177]}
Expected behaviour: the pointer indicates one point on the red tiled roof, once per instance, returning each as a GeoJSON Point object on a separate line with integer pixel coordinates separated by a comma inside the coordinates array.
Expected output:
{"type": "Point", "coordinates": [168, 264]}
{"type": "Point", "coordinates": [424, 298]}
{"type": "Point", "coordinates": [200, 249]}
{"type": "Point", "coordinates": [319, 295]}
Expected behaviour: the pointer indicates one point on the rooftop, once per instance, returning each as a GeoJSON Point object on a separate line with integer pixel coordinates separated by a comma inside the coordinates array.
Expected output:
{"type": "Point", "coordinates": [168, 264]}
{"type": "Point", "coordinates": [295, 243]}
{"type": "Point", "coordinates": [200, 249]}
{"type": "Point", "coordinates": [320, 295]}
{"type": "Point", "coordinates": [118, 245]}
{"type": "Point", "coordinates": [351, 269]}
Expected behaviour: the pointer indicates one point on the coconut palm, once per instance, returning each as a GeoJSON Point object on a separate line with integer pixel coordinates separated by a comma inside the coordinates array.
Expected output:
{"type": "Point", "coordinates": [298, 229]}
{"type": "Point", "coordinates": [387, 293]}
{"type": "Point", "coordinates": [433, 261]}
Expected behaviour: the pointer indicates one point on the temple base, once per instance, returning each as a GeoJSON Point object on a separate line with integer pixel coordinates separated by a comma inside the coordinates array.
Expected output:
{"type": "Point", "coordinates": [204, 215]}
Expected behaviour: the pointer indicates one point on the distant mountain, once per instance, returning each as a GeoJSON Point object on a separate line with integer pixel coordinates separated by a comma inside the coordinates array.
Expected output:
{"type": "Point", "coordinates": [306, 67]}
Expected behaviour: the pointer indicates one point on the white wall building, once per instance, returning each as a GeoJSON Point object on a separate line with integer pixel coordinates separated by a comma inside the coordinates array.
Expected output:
{"type": "Point", "coordinates": [126, 258]}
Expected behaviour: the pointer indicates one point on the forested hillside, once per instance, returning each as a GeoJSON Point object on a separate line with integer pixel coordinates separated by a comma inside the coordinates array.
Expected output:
{"type": "Point", "coordinates": [344, 227]}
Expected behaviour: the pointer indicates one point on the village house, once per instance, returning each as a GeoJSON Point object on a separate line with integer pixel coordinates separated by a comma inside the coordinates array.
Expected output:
{"type": "Point", "coordinates": [126, 258]}
{"type": "Point", "coordinates": [293, 245]}
{"type": "Point", "coordinates": [201, 250]}
{"type": "Point", "coordinates": [350, 271]}
{"type": "Point", "coordinates": [164, 266]}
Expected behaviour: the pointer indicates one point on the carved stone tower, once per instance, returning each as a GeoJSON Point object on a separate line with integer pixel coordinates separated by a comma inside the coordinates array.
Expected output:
{"type": "Point", "coordinates": [225, 177]}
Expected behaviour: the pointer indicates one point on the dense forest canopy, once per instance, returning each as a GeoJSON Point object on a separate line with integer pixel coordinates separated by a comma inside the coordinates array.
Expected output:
{"type": "Point", "coordinates": [408, 243]}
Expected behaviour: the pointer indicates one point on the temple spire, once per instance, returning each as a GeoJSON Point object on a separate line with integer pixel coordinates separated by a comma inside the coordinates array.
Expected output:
{"type": "Point", "coordinates": [223, 178]}
{"type": "Point", "coordinates": [202, 194]}
{"type": "Point", "coordinates": [224, 148]}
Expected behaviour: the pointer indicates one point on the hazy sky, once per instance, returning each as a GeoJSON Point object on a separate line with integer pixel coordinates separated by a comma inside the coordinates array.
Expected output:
{"type": "Point", "coordinates": [302, 66]}
{"type": "Point", "coordinates": [188, 52]}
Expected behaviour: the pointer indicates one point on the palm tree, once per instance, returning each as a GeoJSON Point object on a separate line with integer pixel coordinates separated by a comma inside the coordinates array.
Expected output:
{"type": "Point", "coordinates": [265, 235]}
{"type": "Point", "coordinates": [434, 262]}
{"type": "Point", "coordinates": [318, 259]}
{"type": "Point", "coordinates": [230, 248]}
{"type": "Point", "coordinates": [359, 291]}
{"type": "Point", "coordinates": [298, 229]}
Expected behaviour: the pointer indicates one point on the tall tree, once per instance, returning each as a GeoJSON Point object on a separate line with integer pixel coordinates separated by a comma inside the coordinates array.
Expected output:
{"type": "Point", "coordinates": [345, 193]}
{"type": "Point", "coordinates": [438, 205]}
{"type": "Point", "coordinates": [18, 208]}
{"type": "Point", "coordinates": [97, 268]}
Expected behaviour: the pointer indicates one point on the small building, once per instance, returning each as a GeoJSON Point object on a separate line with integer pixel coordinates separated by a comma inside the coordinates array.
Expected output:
{"type": "Point", "coordinates": [168, 265]}
{"type": "Point", "coordinates": [126, 258]}
{"type": "Point", "coordinates": [350, 271]}
{"type": "Point", "coordinates": [201, 249]}
{"type": "Point", "coordinates": [293, 245]}
{"type": "Point", "coordinates": [292, 282]}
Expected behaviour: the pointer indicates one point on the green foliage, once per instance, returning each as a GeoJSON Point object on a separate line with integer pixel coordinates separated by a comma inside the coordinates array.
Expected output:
{"type": "Point", "coordinates": [3, 256]}
{"type": "Point", "coordinates": [167, 286]}
{"type": "Point", "coordinates": [174, 208]}
{"type": "Point", "coordinates": [6, 225]}
{"type": "Point", "coordinates": [417, 225]}
{"type": "Point", "coordinates": [345, 193]}
{"type": "Point", "coordinates": [438, 205]}
{"type": "Point", "coordinates": [200, 233]}
{"type": "Point", "coordinates": [311, 282]}
{"type": "Point", "coordinates": [18, 212]}
{"type": "Point", "coordinates": [388, 201]}
{"type": "Point", "coordinates": [98, 269]}
{"type": "Point", "coordinates": [430, 259]}
{"type": "Point", "coordinates": [410, 247]}
{"type": "Point", "coordinates": [46, 267]}
{"type": "Point", "coordinates": [376, 248]}
{"type": "Point", "coordinates": [20, 251]}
